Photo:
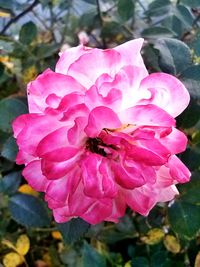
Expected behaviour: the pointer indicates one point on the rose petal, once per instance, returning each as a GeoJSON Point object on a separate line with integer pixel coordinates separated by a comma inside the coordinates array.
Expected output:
{"type": "Point", "coordinates": [69, 56]}
{"type": "Point", "coordinates": [146, 115]}
{"type": "Point", "coordinates": [33, 174]}
{"type": "Point", "coordinates": [49, 83]}
{"type": "Point", "coordinates": [167, 92]}
{"type": "Point", "coordinates": [178, 170]}
{"type": "Point", "coordinates": [100, 118]}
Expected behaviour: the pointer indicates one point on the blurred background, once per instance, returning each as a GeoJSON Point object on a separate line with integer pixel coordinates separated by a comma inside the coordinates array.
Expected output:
{"type": "Point", "coordinates": [32, 33]}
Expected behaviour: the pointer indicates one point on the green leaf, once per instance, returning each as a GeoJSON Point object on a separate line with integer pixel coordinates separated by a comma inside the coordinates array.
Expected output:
{"type": "Point", "coordinates": [174, 55]}
{"type": "Point", "coordinates": [184, 219]}
{"type": "Point", "coordinates": [126, 9]}
{"type": "Point", "coordinates": [185, 16]}
{"type": "Point", "coordinates": [92, 258]}
{"type": "Point", "coordinates": [190, 191]}
{"type": "Point", "coordinates": [89, 19]}
{"type": "Point", "coordinates": [71, 257]}
{"type": "Point", "coordinates": [29, 211]}
{"type": "Point", "coordinates": [191, 3]}
{"type": "Point", "coordinates": [73, 230]}
{"type": "Point", "coordinates": [8, 4]}
{"type": "Point", "coordinates": [191, 78]}
{"type": "Point", "coordinates": [151, 59]}
{"type": "Point", "coordinates": [9, 183]}
{"type": "Point", "coordinates": [126, 225]}
{"type": "Point", "coordinates": [159, 259]}
{"type": "Point", "coordinates": [196, 45]}
{"type": "Point", "coordinates": [158, 7]}
{"type": "Point", "coordinates": [92, 2]}
{"type": "Point", "coordinates": [28, 33]}
{"type": "Point", "coordinates": [157, 32]}
{"type": "Point", "coordinates": [140, 262]}
{"type": "Point", "coordinates": [10, 108]}
{"type": "Point", "coordinates": [6, 44]}
{"type": "Point", "coordinates": [110, 29]}
{"type": "Point", "coordinates": [3, 138]}
{"type": "Point", "coordinates": [45, 50]}
{"type": "Point", "coordinates": [190, 116]}
{"type": "Point", "coordinates": [10, 149]}
{"type": "Point", "coordinates": [191, 157]}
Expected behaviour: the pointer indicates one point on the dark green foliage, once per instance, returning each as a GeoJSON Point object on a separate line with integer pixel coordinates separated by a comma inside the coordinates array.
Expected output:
{"type": "Point", "coordinates": [29, 210]}
{"type": "Point", "coordinates": [92, 258]}
{"type": "Point", "coordinates": [73, 230]}
{"type": "Point", "coordinates": [28, 33]}
{"type": "Point", "coordinates": [10, 108]}
{"type": "Point", "coordinates": [126, 9]}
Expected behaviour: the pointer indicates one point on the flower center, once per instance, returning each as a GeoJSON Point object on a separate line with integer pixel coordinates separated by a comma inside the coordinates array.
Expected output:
{"type": "Point", "coordinates": [95, 145]}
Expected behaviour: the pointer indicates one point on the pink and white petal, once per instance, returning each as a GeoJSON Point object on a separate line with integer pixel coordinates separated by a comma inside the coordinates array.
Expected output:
{"type": "Point", "coordinates": [57, 193]}
{"type": "Point", "coordinates": [167, 193]}
{"type": "Point", "coordinates": [49, 83]}
{"type": "Point", "coordinates": [55, 170]}
{"type": "Point", "coordinates": [178, 170]}
{"type": "Point", "coordinates": [69, 56]}
{"type": "Point", "coordinates": [127, 81]}
{"type": "Point", "coordinates": [69, 100]}
{"type": "Point", "coordinates": [20, 122]}
{"type": "Point", "coordinates": [78, 202]}
{"type": "Point", "coordinates": [146, 115]}
{"type": "Point", "coordinates": [128, 177]}
{"type": "Point", "coordinates": [33, 175]}
{"type": "Point", "coordinates": [167, 92]}
{"type": "Point", "coordinates": [53, 100]}
{"type": "Point", "coordinates": [112, 99]}
{"type": "Point", "coordinates": [155, 146]}
{"type": "Point", "coordinates": [98, 211]}
{"type": "Point", "coordinates": [108, 183]}
{"type": "Point", "coordinates": [141, 200]}
{"type": "Point", "coordinates": [62, 215]}
{"type": "Point", "coordinates": [97, 179]}
{"type": "Point", "coordinates": [61, 154]}
{"type": "Point", "coordinates": [59, 190]}
{"type": "Point", "coordinates": [164, 179]}
{"type": "Point", "coordinates": [93, 64]}
{"type": "Point", "coordinates": [130, 53]}
{"type": "Point", "coordinates": [100, 118]}
{"type": "Point", "coordinates": [176, 141]}
{"type": "Point", "coordinates": [79, 110]}
{"type": "Point", "coordinates": [54, 140]}
{"type": "Point", "coordinates": [76, 135]}
{"type": "Point", "coordinates": [36, 128]}
{"type": "Point", "coordinates": [118, 208]}
{"type": "Point", "coordinates": [23, 158]}
{"type": "Point", "coordinates": [144, 155]}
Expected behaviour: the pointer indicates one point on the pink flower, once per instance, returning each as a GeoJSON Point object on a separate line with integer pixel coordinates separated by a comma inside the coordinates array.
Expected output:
{"type": "Point", "coordinates": [83, 38]}
{"type": "Point", "coordinates": [101, 134]}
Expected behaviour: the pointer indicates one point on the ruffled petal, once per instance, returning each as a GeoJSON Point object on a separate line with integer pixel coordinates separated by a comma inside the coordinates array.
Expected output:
{"type": "Point", "coordinates": [97, 177]}
{"type": "Point", "coordinates": [167, 92]}
{"type": "Point", "coordinates": [175, 142]}
{"type": "Point", "coordinates": [69, 56]}
{"type": "Point", "coordinates": [130, 53]}
{"type": "Point", "coordinates": [100, 118]}
{"type": "Point", "coordinates": [146, 115]}
{"type": "Point", "coordinates": [33, 174]}
{"type": "Point", "coordinates": [31, 129]}
{"type": "Point", "coordinates": [141, 199]}
{"type": "Point", "coordinates": [48, 89]}
{"type": "Point", "coordinates": [98, 62]}
{"type": "Point", "coordinates": [178, 170]}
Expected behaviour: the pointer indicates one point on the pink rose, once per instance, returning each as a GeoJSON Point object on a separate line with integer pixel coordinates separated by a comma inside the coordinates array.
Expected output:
{"type": "Point", "coordinates": [101, 134]}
